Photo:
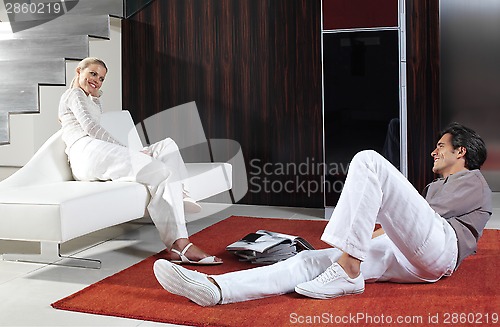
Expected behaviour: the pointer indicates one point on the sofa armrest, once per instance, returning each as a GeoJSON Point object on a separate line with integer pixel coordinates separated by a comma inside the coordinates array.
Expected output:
{"type": "Point", "coordinates": [49, 164]}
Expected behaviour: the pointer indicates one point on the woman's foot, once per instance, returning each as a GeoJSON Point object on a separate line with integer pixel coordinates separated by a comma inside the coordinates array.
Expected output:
{"type": "Point", "coordinates": [185, 252]}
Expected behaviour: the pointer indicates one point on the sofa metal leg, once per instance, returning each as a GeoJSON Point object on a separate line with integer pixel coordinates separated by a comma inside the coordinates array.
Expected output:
{"type": "Point", "coordinates": [231, 195]}
{"type": "Point", "coordinates": [50, 253]}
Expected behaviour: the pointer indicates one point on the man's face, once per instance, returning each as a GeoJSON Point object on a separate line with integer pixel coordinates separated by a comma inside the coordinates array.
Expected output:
{"type": "Point", "coordinates": [447, 160]}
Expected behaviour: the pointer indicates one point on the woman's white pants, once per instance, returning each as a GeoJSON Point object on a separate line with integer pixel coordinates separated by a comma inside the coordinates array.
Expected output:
{"type": "Point", "coordinates": [162, 170]}
{"type": "Point", "coordinates": [419, 245]}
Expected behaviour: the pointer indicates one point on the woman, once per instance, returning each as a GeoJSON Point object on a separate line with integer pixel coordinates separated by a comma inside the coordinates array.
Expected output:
{"type": "Point", "coordinates": [94, 154]}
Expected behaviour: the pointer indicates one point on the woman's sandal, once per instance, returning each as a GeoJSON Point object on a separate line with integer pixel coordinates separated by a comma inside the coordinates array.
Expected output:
{"type": "Point", "coordinates": [207, 261]}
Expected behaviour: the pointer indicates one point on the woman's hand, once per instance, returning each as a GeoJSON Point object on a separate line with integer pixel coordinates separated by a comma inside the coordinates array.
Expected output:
{"type": "Point", "coordinates": [76, 84]}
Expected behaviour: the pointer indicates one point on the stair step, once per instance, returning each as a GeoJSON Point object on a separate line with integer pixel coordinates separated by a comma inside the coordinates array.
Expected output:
{"type": "Point", "coordinates": [35, 53]}
{"type": "Point", "coordinates": [19, 98]}
{"type": "Point", "coordinates": [46, 10]}
{"type": "Point", "coordinates": [69, 47]}
{"type": "Point", "coordinates": [44, 71]}
{"type": "Point", "coordinates": [97, 26]}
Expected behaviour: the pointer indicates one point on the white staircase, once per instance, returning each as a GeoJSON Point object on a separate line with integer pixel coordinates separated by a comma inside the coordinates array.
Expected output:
{"type": "Point", "coordinates": [30, 57]}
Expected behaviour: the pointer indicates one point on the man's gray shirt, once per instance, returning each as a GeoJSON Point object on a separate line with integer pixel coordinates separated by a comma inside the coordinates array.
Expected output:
{"type": "Point", "coordinates": [464, 200]}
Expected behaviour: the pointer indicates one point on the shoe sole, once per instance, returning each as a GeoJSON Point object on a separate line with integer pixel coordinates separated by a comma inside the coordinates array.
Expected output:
{"type": "Point", "coordinates": [322, 296]}
{"type": "Point", "coordinates": [182, 285]}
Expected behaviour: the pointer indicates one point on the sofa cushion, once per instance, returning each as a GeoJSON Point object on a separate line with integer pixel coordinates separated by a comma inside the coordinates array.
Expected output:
{"type": "Point", "coordinates": [64, 210]}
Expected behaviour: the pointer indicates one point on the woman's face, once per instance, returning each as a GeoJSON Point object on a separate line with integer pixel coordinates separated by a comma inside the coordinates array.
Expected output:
{"type": "Point", "coordinates": [90, 79]}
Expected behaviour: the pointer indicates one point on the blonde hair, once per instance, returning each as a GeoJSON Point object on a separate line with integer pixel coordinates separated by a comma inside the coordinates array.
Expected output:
{"type": "Point", "coordinates": [87, 62]}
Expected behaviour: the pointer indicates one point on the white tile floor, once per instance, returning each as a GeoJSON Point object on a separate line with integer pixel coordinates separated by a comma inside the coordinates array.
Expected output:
{"type": "Point", "coordinates": [27, 289]}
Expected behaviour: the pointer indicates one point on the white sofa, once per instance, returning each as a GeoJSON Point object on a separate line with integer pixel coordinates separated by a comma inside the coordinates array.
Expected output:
{"type": "Point", "coordinates": [42, 202]}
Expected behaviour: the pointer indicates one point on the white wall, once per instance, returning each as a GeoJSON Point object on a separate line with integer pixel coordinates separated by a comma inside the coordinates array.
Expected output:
{"type": "Point", "coordinates": [3, 13]}
{"type": "Point", "coordinates": [29, 131]}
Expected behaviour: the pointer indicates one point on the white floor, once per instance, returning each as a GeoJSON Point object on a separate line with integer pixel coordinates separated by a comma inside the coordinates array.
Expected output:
{"type": "Point", "coordinates": [27, 289]}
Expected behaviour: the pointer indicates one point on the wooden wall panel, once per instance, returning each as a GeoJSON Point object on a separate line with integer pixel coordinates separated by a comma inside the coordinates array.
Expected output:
{"type": "Point", "coordinates": [423, 88]}
{"type": "Point", "coordinates": [253, 67]}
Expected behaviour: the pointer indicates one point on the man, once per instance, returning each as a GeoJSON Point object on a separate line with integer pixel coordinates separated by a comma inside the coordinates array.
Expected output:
{"type": "Point", "coordinates": [423, 239]}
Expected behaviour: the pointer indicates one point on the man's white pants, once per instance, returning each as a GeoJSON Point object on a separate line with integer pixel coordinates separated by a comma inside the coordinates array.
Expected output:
{"type": "Point", "coordinates": [162, 170]}
{"type": "Point", "coordinates": [419, 245]}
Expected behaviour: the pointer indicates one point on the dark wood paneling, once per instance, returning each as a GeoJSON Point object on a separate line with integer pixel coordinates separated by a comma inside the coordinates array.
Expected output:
{"type": "Point", "coordinates": [423, 88]}
{"type": "Point", "coordinates": [253, 68]}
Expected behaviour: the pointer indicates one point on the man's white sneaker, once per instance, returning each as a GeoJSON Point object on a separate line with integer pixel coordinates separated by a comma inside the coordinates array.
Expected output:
{"type": "Point", "coordinates": [188, 283]}
{"type": "Point", "coordinates": [333, 283]}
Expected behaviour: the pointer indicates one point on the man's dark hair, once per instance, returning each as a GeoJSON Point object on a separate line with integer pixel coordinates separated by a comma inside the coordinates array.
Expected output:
{"type": "Point", "coordinates": [462, 136]}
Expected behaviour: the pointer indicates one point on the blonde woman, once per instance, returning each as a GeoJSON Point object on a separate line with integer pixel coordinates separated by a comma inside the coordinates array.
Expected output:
{"type": "Point", "coordinates": [94, 154]}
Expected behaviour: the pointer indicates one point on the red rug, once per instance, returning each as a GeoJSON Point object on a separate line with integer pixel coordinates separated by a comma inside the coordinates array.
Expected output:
{"type": "Point", "coordinates": [469, 297]}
